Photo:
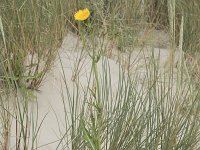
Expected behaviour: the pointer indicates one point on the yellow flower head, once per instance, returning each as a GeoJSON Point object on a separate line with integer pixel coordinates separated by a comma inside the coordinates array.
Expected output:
{"type": "Point", "coordinates": [82, 15]}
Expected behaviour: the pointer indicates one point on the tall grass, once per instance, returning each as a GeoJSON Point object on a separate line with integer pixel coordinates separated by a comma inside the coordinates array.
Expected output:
{"type": "Point", "coordinates": [150, 113]}
{"type": "Point", "coordinates": [33, 31]}
{"type": "Point", "coordinates": [158, 111]}
{"type": "Point", "coordinates": [118, 16]}
{"type": "Point", "coordinates": [30, 34]}
{"type": "Point", "coordinates": [122, 22]}
{"type": "Point", "coordinates": [161, 111]}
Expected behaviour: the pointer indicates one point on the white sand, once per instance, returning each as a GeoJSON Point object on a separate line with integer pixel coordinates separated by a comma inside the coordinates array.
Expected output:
{"type": "Point", "coordinates": [50, 98]}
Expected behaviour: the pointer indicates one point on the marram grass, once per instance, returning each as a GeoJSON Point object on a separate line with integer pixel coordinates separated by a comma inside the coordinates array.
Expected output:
{"type": "Point", "coordinates": [158, 115]}
{"type": "Point", "coordinates": [161, 114]}
{"type": "Point", "coordinates": [32, 32]}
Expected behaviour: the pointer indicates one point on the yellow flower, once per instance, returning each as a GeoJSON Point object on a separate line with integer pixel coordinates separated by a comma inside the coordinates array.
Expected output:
{"type": "Point", "coordinates": [82, 15]}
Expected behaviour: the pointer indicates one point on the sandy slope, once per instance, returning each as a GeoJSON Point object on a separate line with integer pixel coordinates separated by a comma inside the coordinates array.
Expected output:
{"type": "Point", "coordinates": [53, 90]}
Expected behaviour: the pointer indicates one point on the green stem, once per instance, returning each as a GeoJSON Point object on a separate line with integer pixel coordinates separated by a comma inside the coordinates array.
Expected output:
{"type": "Point", "coordinates": [94, 67]}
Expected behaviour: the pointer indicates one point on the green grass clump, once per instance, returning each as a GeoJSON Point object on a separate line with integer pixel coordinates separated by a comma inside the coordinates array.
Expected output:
{"type": "Point", "coordinates": [32, 32]}
{"type": "Point", "coordinates": [150, 113]}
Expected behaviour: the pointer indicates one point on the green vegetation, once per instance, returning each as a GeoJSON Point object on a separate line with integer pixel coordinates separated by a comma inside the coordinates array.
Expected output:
{"type": "Point", "coordinates": [159, 111]}
{"type": "Point", "coordinates": [32, 32]}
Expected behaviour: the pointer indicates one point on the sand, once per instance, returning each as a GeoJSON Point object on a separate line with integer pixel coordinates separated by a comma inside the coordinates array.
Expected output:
{"type": "Point", "coordinates": [76, 67]}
